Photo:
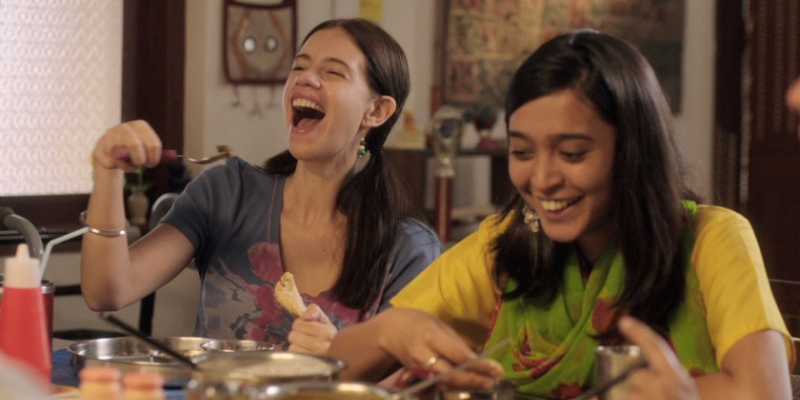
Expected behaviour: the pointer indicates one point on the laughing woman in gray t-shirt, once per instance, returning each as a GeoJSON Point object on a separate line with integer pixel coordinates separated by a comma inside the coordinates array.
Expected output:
{"type": "Point", "coordinates": [328, 209]}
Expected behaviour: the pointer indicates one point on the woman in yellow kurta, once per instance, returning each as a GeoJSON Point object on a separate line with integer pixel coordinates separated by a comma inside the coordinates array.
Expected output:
{"type": "Point", "coordinates": [601, 227]}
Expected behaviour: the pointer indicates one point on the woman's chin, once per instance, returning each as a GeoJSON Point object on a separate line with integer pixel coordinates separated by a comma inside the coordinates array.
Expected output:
{"type": "Point", "coordinates": [559, 235]}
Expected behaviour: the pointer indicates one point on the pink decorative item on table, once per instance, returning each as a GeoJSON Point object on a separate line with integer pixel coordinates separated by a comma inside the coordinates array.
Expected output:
{"type": "Point", "coordinates": [100, 383]}
{"type": "Point", "coordinates": [143, 386]}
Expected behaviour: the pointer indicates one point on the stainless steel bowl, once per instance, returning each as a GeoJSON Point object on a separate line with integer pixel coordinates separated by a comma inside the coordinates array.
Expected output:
{"type": "Point", "coordinates": [236, 345]}
{"type": "Point", "coordinates": [132, 355]}
{"type": "Point", "coordinates": [327, 390]}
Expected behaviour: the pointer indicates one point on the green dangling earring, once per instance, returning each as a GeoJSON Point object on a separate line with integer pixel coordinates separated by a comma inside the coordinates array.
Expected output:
{"type": "Point", "coordinates": [362, 147]}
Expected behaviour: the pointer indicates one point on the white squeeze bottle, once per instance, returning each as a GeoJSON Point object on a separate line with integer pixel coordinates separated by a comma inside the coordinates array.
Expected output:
{"type": "Point", "coordinates": [23, 326]}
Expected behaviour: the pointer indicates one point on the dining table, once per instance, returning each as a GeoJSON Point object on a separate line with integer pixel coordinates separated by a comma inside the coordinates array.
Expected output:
{"type": "Point", "coordinates": [65, 381]}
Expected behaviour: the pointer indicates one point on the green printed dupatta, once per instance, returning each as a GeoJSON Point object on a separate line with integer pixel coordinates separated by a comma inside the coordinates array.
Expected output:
{"type": "Point", "coordinates": [551, 352]}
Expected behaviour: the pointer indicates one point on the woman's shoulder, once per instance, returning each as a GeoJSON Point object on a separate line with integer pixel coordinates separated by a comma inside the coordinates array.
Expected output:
{"type": "Point", "coordinates": [711, 217]}
{"type": "Point", "coordinates": [719, 231]}
{"type": "Point", "coordinates": [415, 232]}
{"type": "Point", "coordinates": [493, 225]}
{"type": "Point", "coordinates": [236, 171]}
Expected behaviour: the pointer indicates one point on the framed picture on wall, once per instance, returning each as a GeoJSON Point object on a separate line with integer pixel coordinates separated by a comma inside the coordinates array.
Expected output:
{"type": "Point", "coordinates": [259, 39]}
{"type": "Point", "coordinates": [486, 40]}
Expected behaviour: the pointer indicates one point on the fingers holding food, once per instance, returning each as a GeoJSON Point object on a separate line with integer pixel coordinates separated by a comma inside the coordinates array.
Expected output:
{"type": "Point", "coordinates": [312, 332]}
{"type": "Point", "coordinates": [288, 296]}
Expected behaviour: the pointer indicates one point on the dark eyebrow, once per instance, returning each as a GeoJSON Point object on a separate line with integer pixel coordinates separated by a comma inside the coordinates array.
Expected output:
{"type": "Point", "coordinates": [561, 137]}
{"type": "Point", "coordinates": [556, 138]}
{"type": "Point", "coordinates": [304, 56]}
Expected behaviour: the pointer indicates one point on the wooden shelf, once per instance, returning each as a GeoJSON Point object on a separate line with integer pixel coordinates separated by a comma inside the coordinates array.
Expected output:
{"type": "Point", "coordinates": [411, 166]}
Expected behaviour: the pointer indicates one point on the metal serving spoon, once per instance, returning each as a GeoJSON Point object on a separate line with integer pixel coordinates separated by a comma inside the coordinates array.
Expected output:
{"type": "Point", "coordinates": [141, 336]}
{"type": "Point", "coordinates": [405, 393]}
{"type": "Point", "coordinates": [170, 156]}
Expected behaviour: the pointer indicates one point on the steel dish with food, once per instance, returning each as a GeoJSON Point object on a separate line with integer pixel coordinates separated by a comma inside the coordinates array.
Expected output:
{"type": "Point", "coordinates": [503, 390]}
{"type": "Point", "coordinates": [266, 367]}
{"type": "Point", "coordinates": [224, 376]}
{"type": "Point", "coordinates": [130, 354]}
{"type": "Point", "coordinates": [236, 345]}
{"type": "Point", "coordinates": [328, 390]}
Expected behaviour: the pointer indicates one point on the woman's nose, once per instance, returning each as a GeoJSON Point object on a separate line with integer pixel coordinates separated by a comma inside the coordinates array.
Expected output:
{"type": "Point", "coordinates": [306, 78]}
{"type": "Point", "coordinates": [546, 175]}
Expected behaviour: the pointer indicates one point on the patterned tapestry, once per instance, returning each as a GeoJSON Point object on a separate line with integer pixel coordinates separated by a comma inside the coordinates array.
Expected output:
{"type": "Point", "coordinates": [485, 40]}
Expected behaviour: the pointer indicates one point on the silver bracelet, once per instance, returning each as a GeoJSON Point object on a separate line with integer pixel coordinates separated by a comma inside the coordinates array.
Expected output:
{"type": "Point", "coordinates": [101, 232]}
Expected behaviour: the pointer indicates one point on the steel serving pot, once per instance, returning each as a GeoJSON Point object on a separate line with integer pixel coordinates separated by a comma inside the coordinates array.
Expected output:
{"type": "Point", "coordinates": [244, 375]}
{"type": "Point", "coordinates": [130, 354]}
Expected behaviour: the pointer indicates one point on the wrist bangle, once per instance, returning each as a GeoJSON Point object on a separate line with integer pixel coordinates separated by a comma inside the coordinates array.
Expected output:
{"type": "Point", "coordinates": [101, 232]}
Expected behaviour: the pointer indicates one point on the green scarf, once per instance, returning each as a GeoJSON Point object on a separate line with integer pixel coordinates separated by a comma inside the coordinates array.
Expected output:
{"type": "Point", "coordinates": [551, 352]}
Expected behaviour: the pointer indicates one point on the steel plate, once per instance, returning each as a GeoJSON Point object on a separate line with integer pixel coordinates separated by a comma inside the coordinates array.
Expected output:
{"type": "Point", "coordinates": [129, 354]}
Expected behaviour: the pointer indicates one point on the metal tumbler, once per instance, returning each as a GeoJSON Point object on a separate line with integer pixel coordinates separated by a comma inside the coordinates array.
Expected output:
{"type": "Point", "coordinates": [612, 361]}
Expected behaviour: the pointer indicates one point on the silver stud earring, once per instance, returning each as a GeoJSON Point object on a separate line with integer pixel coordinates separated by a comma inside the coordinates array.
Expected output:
{"type": "Point", "coordinates": [531, 218]}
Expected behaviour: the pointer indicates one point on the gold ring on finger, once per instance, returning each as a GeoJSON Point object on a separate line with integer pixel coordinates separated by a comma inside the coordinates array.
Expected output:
{"type": "Point", "coordinates": [431, 361]}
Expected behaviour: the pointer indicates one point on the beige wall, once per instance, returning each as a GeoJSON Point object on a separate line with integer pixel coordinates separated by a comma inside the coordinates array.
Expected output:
{"type": "Point", "coordinates": [695, 123]}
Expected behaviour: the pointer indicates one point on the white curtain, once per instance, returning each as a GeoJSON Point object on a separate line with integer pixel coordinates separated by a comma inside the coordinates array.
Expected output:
{"type": "Point", "coordinates": [60, 89]}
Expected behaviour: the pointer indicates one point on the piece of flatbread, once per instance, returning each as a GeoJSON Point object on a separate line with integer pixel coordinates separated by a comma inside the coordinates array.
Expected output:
{"type": "Point", "coordinates": [288, 296]}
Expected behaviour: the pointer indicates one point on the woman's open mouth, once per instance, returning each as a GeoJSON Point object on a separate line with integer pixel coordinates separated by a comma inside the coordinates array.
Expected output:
{"type": "Point", "coordinates": [306, 113]}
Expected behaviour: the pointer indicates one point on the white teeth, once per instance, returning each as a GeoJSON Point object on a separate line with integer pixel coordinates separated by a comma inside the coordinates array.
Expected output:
{"type": "Point", "coordinates": [307, 104]}
{"type": "Point", "coordinates": [557, 205]}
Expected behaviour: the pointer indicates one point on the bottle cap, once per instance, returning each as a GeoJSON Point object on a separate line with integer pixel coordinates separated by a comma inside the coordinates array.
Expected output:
{"type": "Point", "coordinates": [22, 271]}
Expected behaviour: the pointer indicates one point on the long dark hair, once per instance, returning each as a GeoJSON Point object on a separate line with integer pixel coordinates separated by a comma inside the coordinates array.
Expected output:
{"type": "Point", "coordinates": [647, 181]}
{"type": "Point", "coordinates": [371, 199]}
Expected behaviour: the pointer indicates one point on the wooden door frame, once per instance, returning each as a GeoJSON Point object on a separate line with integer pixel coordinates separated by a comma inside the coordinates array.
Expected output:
{"type": "Point", "coordinates": [731, 42]}
{"type": "Point", "coordinates": [154, 53]}
{"type": "Point", "coordinates": [756, 151]}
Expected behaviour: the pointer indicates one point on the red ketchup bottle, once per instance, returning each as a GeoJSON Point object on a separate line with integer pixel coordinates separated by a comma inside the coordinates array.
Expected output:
{"type": "Point", "coordinates": [23, 326]}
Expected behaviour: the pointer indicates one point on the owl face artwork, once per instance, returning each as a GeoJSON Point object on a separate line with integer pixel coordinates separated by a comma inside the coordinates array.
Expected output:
{"type": "Point", "coordinates": [259, 42]}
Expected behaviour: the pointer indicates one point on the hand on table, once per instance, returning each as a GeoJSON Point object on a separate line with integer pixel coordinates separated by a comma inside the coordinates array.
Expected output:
{"type": "Point", "coordinates": [422, 342]}
{"type": "Point", "coordinates": [664, 378]}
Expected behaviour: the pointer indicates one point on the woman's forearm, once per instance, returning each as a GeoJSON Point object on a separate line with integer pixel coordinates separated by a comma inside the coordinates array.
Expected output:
{"type": "Point", "coordinates": [754, 368]}
{"type": "Point", "coordinates": [724, 386]}
{"type": "Point", "coordinates": [359, 346]}
{"type": "Point", "coordinates": [105, 260]}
